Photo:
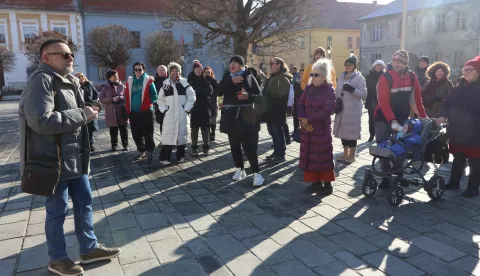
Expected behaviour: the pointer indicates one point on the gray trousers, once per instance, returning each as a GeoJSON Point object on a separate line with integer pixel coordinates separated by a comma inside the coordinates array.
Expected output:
{"type": "Point", "coordinates": [205, 134]}
{"type": "Point", "coordinates": [382, 132]}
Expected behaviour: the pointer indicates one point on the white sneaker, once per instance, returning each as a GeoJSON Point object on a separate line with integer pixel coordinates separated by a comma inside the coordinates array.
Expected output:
{"type": "Point", "coordinates": [181, 160]}
{"type": "Point", "coordinates": [257, 180]}
{"type": "Point", "coordinates": [239, 174]}
{"type": "Point", "coordinates": [165, 163]}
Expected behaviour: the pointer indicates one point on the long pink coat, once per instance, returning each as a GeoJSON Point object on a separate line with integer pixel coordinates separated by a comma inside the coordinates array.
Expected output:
{"type": "Point", "coordinates": [316, 150]}
{"type": "Point", "coordinates": [113, 111]}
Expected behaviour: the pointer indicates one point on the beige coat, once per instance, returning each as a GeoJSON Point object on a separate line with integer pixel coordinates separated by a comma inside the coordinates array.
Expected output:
{"type": "Point", "coordinates": [348, 123]}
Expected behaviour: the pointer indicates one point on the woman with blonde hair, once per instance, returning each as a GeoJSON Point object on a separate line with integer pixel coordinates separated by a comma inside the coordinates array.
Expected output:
{"type": "Point", "coordinates": [90, 94]}
{"type": "Point", "coordinates": [315, 107]}
{"type": "Point", "coordinates": [437, 88]}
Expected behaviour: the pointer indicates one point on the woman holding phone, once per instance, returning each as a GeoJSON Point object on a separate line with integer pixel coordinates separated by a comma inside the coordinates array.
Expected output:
{"type": "Point", "coordinates": [238, 118]}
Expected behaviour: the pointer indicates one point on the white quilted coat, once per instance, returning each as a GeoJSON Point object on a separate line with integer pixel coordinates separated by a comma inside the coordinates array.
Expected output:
{"type": "Point", "coordinates": [348, 123]}
{"type": "Point", "coordinates": [176, 99]}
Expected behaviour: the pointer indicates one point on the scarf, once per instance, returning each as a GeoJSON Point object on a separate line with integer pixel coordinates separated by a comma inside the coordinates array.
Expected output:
{"type": "Point", "coordinates": [114, 86]}
{"type": "Point", "coordinates": [239, 73]}
{"type": "Point", "coordinates": [431, 90]}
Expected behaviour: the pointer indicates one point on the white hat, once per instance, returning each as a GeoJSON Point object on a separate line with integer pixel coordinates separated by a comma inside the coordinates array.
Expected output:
{"type": "Point", "coordinates": [377, 62]}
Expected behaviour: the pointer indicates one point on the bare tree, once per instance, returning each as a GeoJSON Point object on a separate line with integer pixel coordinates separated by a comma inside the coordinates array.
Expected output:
{"type": "Point", "coordinates": [161, 48]}
{"type": "Point", "coordinates": [110, 45]}
{"type": "Point", "coordinates": [265, 24]}
{"type": "Point", "coordinates": [32, 45]}
{"type": "Point", "coordinates": [7, 60]}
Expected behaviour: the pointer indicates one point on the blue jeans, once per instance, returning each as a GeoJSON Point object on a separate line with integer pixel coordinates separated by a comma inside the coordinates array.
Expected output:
{"type": "Point", "coordinates": [57, 207]}
{"type": "Point", "coordinates": [278, 137]}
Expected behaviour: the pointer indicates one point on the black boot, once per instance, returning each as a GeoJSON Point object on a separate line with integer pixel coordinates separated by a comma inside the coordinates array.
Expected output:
{"type": "Point", "coordinates": [327, 188]}
{"type": "Point", "coordinates": [92, 148]}
{"type": "Point", "coordinates": [371, 138]}
{"type": "Point", "coordinates": [316, 186]}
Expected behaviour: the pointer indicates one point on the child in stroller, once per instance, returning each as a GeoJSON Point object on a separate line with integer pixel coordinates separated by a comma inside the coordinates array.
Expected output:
{"type": "Point", "coordinates": [419, 141]}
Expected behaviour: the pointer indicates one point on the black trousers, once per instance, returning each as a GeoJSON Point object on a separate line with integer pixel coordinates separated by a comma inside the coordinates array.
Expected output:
{"type": "Point", "coordinates": [166, 152]}
{"type": "Point", "coordinates": [458, 167]}
{"type": "Point", "coordinates": [213, 126]}
{"type": "Point", "coordinates": [286, 131]}
{"type": "Point", "coordinates": [249, 141]}
{"type": "Point", "coordinates": [205, 136]}
{"type": "Point", "coordinates": [123, 136]}
{"type": "Point", "coordinates": [349, 143]}
{"type": "Point", "coordinates": [371, 122]}
{"type": "Point", "coordinates": [141, 124]}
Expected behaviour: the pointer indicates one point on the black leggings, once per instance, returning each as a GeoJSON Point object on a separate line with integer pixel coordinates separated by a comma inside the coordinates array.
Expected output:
{"type": "Point", "coordinates": [458, 167]}
{"type": "Point", "coordinates": [349, 143]}
{"type": "Point", "coordinates": [248, 141]}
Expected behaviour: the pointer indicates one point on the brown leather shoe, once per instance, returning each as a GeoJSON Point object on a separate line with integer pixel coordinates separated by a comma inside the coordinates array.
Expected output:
{"type": "Point", "coordinates": [65, 267]}
{"type": "Point", "coordinates": [99, 254]}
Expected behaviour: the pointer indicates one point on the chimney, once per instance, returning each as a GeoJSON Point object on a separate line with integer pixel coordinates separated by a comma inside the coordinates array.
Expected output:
{"type": "Point", "coordinates": [375, 3]}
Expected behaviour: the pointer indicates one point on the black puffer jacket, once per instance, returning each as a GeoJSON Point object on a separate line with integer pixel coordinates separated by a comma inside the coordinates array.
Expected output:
{"type": "Point", "coordinates": [238, 115]}
{"type": "Point", "coordinates": [201, 114]}
{"type": "Point", "coordinates": [372, 80]}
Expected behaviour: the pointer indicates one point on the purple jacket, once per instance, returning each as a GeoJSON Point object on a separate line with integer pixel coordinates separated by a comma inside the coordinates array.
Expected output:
{"type": "Point", "coordinates": [113, 111]}
{"type": "Point", "coordinates": [316, 150]}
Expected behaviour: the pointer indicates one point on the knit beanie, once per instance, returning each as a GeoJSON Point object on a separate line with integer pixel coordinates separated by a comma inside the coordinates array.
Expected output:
{"type": "Point", "coordinates": [377, 62]}
{"type": "Point", "coordinates": [401, 56]}
{"type": "Point", "coordinates": [475, 63]}
{"type": "Point", "coordinates": [238, 59]}
{"type": "Point", "coordinates": [352, 60]}
{"type": "Point", "coordinates": [319, 50]}
{"type": "Point", "coordinates": [197, 65]}
{"type": "Point", "coordinates": [174, 65]}
{"type": "Point", "coordinates": [426, 59]}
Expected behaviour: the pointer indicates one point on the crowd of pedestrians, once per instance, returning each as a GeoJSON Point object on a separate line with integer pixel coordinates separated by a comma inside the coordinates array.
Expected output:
{"type": "Point", "coordinates": [58, 115]}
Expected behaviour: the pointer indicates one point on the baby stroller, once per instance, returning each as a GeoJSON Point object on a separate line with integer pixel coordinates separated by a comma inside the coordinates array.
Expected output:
{"type": "Point", "coordinates": [431, 146]}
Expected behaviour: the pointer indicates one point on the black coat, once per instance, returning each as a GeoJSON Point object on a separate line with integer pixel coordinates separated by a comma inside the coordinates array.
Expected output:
{"type": "Point", "coordinates": [421, 75]}
{"type": "Point", "coordinates": [371, 81]}
{"type": "Point", "coordinates": [158, 82]}
{"type": "Point", "coordinates": [238, 115]}
{"type": "Point", "coordinates": [201, 114]}
{"type": "Point", "coordinates": [462, 112]}
{"type": "Point", "coordinates": [90, 94]}
{"type": "Point", "coordinates": [276, 93]}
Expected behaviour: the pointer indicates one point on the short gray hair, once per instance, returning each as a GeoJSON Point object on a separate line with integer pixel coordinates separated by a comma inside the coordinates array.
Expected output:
{"type": "Point", "coordinates": [325, 67]}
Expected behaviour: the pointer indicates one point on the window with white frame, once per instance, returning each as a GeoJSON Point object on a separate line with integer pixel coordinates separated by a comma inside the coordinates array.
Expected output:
{"type": "Point", "coordinates": [3, 33]}
{"type": "Point", "coordinates": [29, 31]}
{"type": "Point", "coordinates": [399, 28]}
{"type": "Point", "coordinates": [459, 58]}
{"type": "Point", "coordinates": [376, 33]}
{"type": "Point", "coordinates": [416, 26]}
{"type": "Point", "coordinates": [375, 57]}
{"type": "Point", "coordinates": [302, 42]}
{"type": "Point", "coordinates": [440, 22]}
{"type": "Point", "coordinates": [358, 42]}
{"type": "Point", "coordinates": [350, 42]}
{"type": "Point", "coordinates": [59, 27]}
{"type": "Point", "coordinates": [461, 20]}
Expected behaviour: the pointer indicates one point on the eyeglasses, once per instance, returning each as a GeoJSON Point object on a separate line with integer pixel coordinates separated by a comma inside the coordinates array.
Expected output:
{"type": "Point", "coordinates": [469, 70]}
{"type": "Point", "coordinates": [138, 69]}
{"type": "Point", "coordinates": [315, 75]}
{"type": "Point", "coordinates": [66, 56]}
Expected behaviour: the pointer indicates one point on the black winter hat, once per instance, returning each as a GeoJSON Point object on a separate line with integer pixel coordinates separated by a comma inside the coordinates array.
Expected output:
{"type": "Point", "coordinates": [238, 59]}
{"type": "Point", "coordinates": [426, 59]}
{"type": "Point", "coordinates": [352, 60]}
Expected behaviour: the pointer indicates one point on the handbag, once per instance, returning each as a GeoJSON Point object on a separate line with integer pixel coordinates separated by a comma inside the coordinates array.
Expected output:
{"type": "Point", "coordinates": [296, 136]}
{"type": "Point", "coordinates": [338, 105]}
{"type": "Point", "coordinates": [41, 175]}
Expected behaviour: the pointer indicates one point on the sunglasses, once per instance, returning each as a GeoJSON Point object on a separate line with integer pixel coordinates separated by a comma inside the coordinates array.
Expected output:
{"type": "Point", "coordinates": [66, 56]}
{"type": "Point", "coordinates": [315, 75]}
{"type": "Point", "coordinates": [138, 69]}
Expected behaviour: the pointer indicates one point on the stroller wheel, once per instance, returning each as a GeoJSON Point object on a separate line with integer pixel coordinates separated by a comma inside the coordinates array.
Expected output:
{"type": "Point", "coordinates": [369, 187]}
{"type": "Point", "coordinates": [435, 187]}
{"type": "Point", "coordinates": [396, 195]}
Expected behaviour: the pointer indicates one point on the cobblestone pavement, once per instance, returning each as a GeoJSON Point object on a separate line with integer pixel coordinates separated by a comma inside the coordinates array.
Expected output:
{"type": "Point", "coordinates": [191, 219]}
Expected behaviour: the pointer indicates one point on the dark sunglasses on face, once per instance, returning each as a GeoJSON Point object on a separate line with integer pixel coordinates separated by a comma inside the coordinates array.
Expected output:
{"type": "Point", "coordinates": [138, 69]}
{"type": "Point", "coordinates": [66, 56]}
{"type": "Point", "coordinates": [315, 75]}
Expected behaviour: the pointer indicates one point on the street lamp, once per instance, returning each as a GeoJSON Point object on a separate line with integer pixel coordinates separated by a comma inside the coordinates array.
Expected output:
{"type": "Point", "coordinates": [352, 53]}
{"type": "Point", "coordinates": [329, 51]}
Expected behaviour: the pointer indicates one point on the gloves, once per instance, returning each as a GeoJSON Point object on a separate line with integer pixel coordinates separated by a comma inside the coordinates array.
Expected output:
{"type": "Point", "coordinates": [348, 88]}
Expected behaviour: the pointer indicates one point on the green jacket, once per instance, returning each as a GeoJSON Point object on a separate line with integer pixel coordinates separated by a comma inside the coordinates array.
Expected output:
{"type": "Point", "coordinates": [275, 95]}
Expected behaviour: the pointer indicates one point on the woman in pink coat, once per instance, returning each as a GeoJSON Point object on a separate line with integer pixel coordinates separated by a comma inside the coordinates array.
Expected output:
{"type": "Point", "coordinates": [315, 109]}
{"type": "Point", "coordinates": [112, 98]}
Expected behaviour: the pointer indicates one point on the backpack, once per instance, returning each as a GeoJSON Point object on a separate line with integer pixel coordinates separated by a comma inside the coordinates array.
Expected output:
{"type": "Point", "coordinates": [390, 79]}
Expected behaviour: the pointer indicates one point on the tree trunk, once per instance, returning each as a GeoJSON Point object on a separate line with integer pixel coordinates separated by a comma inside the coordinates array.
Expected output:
{"type": "Point", "coordinates": [240, 46]}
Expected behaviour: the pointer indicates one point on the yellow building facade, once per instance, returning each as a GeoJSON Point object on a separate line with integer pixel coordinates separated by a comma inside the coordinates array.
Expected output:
{"type": "Point", "coordinates": [19, 25]}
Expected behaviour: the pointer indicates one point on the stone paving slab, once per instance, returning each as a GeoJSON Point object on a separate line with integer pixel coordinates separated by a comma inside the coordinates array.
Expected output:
{"type": "Point", "coordinates": [191, 219]}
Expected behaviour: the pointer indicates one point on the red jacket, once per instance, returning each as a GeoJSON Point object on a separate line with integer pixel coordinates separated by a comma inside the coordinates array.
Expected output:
{"type": "Point", "coordinates": [147, 104]}
{"type": "Point", "coordinates": [394, 103]}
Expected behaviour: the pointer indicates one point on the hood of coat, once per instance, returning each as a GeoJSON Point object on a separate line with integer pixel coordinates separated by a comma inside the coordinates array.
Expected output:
{"type": "Point", "coordinates": [283, 73]}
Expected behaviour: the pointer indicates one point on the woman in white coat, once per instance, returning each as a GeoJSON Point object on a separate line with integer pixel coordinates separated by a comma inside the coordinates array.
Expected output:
{"type": "Point", "coordinates": [351, 88]}
{"type": "Point", "coordinates": [176, 100]}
